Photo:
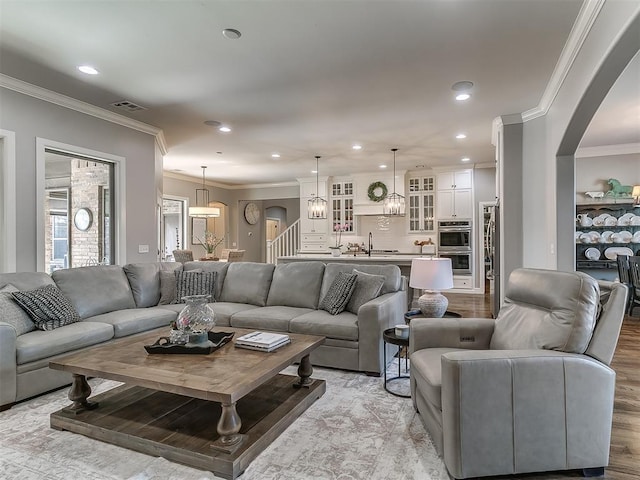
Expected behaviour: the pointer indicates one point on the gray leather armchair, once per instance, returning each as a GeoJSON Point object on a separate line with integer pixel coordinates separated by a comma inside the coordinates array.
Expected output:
{"type": "Point", "coordinates": [530, 391]}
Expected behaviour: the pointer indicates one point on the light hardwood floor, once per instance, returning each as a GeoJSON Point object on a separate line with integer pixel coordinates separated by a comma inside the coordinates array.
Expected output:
{"type": "Point", "coordinates": [624, 461]}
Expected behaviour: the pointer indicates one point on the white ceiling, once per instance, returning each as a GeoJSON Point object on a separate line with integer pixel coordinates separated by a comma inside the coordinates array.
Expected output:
{"type": "Point", "coordinates": [307, 77]}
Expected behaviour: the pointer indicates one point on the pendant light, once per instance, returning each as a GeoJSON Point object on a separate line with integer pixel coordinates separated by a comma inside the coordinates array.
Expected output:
{"type": "Point", "coordinates": [317, 206]}
{"type": "Point", "coordinates": [394, 202]}
{"type": "Point", "coordinates": [202, 208]}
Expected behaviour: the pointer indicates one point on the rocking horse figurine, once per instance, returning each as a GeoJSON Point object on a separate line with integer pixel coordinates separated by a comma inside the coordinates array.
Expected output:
{"type": "Point", "coordinates": [618, 190]}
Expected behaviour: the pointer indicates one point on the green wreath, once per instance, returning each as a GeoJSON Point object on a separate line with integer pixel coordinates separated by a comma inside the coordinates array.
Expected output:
{"type": "Point", "coordinates": [372, 191]}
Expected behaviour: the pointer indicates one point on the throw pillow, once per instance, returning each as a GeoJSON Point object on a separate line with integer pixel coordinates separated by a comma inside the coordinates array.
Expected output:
{"type": "Point", "coordinates": [339, 293]}
{"type": "Point", "coordinates": [168, 285]}
{"type": "Point", "coordinates": [195, 283]}
{"type": "Point", "coordinates": [12, 313]}
{"type": "Point", "coordinates": [367, 288]}
{"type": "Point", "coordinates": [47, 307]}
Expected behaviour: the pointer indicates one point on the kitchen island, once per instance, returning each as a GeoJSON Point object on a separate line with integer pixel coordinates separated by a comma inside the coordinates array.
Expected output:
{"type": "Point", "coordinates": [402, 260]}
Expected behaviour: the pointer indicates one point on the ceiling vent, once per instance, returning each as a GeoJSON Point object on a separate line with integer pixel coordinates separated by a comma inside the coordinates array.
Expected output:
{"type": "Point", "coordinates": [127, 105]}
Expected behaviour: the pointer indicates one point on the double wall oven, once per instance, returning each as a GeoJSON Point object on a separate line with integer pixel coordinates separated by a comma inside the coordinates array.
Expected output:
{"type": "Point", "coordinates": [454, 242]}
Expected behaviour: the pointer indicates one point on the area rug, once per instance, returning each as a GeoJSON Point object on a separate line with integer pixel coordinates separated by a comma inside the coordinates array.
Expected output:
{"type": "Point", "coordinates": [357, 430]}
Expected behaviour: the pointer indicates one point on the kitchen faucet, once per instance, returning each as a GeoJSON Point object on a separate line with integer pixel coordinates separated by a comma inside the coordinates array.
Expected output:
{"type": "Point", "coordinates": [370, 242]}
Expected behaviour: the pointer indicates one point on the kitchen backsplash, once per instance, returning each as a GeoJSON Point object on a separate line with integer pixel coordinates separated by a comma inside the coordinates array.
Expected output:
{"type": "Point", "coordinates": [389, 233]}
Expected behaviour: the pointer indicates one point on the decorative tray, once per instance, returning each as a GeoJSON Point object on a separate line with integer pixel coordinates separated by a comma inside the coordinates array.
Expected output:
{"type": "Point", "coordinates": [216, 340]}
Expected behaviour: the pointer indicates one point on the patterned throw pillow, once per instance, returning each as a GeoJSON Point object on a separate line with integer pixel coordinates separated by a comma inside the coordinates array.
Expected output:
{"type": "Point", "coordinates": [194, 283]}
{"type": "Point", "coordinates": [12, 313]}
{"type": "Point", "coordinates": [367, 288]}
{"type": "Point", "coordinates": [47, 307]}
{"type": "Point", "coordinates": [339, 293]}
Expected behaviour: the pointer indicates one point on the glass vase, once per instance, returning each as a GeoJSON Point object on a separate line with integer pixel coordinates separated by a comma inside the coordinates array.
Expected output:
{"type": "Point", "coordinates": [196, 318]}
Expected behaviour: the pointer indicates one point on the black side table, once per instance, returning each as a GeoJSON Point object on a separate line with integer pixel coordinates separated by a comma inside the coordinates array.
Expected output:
{"type": "Point", "coordinates": [389, 336]}
{"type": "Point", "coordinates": [418, 314]}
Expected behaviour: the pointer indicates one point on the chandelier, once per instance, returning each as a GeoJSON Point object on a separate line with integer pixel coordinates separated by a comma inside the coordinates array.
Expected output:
{"type": "Point", "coordinates": [394, 202]}
{"type": "Point", "coordinates": [202, 208]}
{"type": "Point", "coordinates": [317, 206]}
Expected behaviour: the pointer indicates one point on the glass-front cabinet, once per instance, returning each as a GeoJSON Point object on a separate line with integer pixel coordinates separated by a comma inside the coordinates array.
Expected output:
{"type": "Point", "coordinates": [421, 204]}
{"type": "Point", "coordinates": [342, 206]}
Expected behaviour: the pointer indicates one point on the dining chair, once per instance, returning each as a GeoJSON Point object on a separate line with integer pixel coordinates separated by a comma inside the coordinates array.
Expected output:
{"type": "Point", "coordinates": [624, 275]}
{"type": "Point", "coordinates": [236, 256]}
{"type": "Point", "coordinates": [634, 274]}
{"type": "Point", "coordinates": [183, 256]}
{"type": "Point", "coordinates": [224, 255]}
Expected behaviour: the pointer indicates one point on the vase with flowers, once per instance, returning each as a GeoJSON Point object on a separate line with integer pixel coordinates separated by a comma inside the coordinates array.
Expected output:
{"type": "Point", "coordinates": [338, 229]}
{"type": "Point", "coordinates": [210, 243]}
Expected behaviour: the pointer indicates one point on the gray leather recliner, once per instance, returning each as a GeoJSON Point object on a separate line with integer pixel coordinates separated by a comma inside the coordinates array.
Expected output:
{"type": "Point", "coordinates": [530, 391]}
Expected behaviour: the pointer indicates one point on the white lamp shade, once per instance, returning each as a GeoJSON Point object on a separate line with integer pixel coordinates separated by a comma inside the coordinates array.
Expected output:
{"type": "Point", "coordinates": [204, 212]}
{"type": "Point", "coordinates": [431, 273]}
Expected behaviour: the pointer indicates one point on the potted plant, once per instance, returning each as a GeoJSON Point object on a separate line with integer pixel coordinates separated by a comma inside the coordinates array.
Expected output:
{"type": "Point", "coordinates": [338, 229]}
{"type": "Point", "coordinates": [210, 243]}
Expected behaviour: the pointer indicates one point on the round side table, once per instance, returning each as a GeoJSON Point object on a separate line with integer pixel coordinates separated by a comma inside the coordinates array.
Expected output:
{"type": "Point", "coordinates": [389, 336]}
{"type": "Point", "coordinates": [418, 314]}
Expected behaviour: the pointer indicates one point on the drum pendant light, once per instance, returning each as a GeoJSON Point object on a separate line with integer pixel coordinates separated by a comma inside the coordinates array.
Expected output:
{"type": "Point", "coordinates": [394, 202]}
{"type": "Point", "coordinates": [202, 208]}
{"type": "Point", "coordinates": [317, 206]}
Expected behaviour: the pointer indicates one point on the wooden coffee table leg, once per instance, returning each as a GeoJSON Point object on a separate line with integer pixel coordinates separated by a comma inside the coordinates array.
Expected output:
{"type": "Point", "coordinates": [78, 394]}
{"type": "Point", "coordinates": [229, 426]}
{"type": "Point", "coordinates": [304, 371]}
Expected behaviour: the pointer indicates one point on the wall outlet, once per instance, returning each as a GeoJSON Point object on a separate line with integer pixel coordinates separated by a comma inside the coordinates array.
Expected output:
{"type": "Point", "coordinates": [143, 248]}
{"type": "Point", "coordinates": [234, 244]}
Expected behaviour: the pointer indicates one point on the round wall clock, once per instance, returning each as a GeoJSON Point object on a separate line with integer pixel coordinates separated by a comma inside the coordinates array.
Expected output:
{"type": "Point", "coordinates": [83, 219]}
{"type": "Point", "coordinates": [251, 213]}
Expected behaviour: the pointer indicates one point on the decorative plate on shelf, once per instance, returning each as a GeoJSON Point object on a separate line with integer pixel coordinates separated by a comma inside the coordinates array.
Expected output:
{"type": "Point", "coordinates": [612, 252]}
{"type": "Point", "coordinates": [592, 253]}
{"type": "Point", "coordinates": [605, 237]}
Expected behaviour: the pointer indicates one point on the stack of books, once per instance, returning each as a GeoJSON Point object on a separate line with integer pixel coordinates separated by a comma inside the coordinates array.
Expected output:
{"type": "Point", "coordinates": [262, 341]}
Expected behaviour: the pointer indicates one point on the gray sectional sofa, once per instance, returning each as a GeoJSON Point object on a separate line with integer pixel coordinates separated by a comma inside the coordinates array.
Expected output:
{"type": "Point", "coordinates": [115, 302]}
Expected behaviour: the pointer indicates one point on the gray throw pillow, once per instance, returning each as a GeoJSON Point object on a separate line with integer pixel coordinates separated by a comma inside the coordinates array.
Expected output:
{"type": "Point", "coordinates": [367, 288]}
{"type": "Point", "coordinates": [339, 293]}
{"type": "Point", "coordinates": [48, 307]}
{"type": "Point", "coordinates": [168, 285]}
{"type": "Point", "coordinates": [12, 313]}
{"type": "Point", "coordinates": [195, 283]}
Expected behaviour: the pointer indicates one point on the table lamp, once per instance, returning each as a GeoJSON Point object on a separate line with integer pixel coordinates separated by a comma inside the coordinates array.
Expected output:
{"type": "Point", "coordinates": [432, 275]}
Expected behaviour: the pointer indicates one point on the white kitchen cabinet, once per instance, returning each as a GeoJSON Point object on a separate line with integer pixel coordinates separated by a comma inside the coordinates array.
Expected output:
{"type": "Point", "coordinates": [455, 194]}
{"type": "Point", "coordinates": [458, 179]}
{"type": "Point", "coordinates": [420, 205]}
{"type": "Point", "coordinates": [314, 233]}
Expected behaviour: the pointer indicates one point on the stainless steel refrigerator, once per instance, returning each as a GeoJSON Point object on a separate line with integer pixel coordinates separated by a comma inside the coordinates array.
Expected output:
{"type": "Point", "coordinates": [492, 255]}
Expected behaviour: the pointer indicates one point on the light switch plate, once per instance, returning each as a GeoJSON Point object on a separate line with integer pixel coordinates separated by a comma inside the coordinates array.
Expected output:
{"type": "Point", "coordinates": [143, 248]}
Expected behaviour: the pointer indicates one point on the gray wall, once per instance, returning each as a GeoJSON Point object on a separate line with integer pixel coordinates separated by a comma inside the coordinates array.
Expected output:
{"type": "Point", "coordinates": [540, 207]}
{"type": "Point", "coordinates": [29, 118]}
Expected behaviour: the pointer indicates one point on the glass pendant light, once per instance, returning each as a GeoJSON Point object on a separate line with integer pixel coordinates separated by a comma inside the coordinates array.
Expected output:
{"type": "Point", "coordinates": [202, 208]}
{"type": "Point", "coordinates": [394, 202]}
{"type": "Point", "coordinates": [317, 206]}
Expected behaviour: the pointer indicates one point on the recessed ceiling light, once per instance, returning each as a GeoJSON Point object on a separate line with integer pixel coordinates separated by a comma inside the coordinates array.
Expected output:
{"type": "Point", "coordinates": [383, 166]}
{"type": "Point", "coordinates": [89, 70]}
{"type": "Point", "coordinates": [465, 159]}
{"type": "Point", "coordinates": [212, 123]}
{"type": "Point", "coordinates": [357, 147]}
{"type": "Point", "coordinates": [314, 171]}
{"type": "Point", "coordinates": [231, 33]}
{"type": "Point", "coordinates": [460, 136]}
{"type": "Point", "coordinates": [462, 89]}
{"type": "Point", "coordinates": [224, 129]}
{"type": "Point", "coordinates": [275, 155]}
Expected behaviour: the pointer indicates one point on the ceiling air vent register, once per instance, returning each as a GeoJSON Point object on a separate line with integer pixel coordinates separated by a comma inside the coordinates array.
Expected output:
{"type": "Point", "coordinates": [127, 105]}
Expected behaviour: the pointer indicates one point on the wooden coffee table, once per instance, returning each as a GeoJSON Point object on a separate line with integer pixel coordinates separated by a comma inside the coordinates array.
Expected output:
{"type": "Point", "coordinates": [215, 412]}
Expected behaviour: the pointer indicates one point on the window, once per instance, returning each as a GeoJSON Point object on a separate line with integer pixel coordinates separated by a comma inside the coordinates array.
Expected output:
{"type": "Point", "coordinates": [78, 211]}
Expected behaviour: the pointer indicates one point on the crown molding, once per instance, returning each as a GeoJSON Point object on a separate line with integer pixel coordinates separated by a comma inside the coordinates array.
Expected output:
{"type": "Point", "coordinates": [40, 93]}
{"type": "Point", "coordinates": [485, 165]}
{"type": "Point", "coordinates": [227, 186]}
{"type": "Point", "coordinates": [581, 27]}
{"type": "Point", "coordinates": [608, 150]}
